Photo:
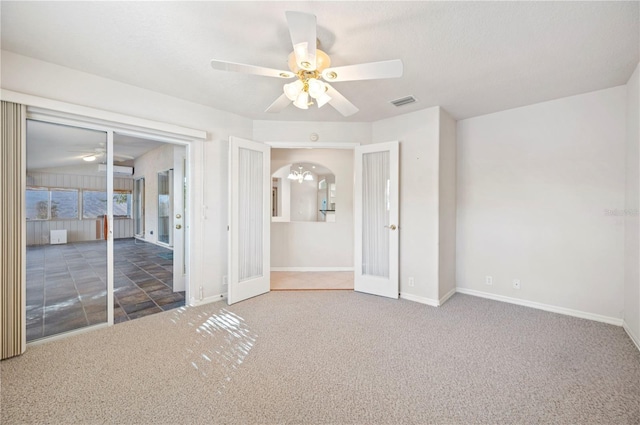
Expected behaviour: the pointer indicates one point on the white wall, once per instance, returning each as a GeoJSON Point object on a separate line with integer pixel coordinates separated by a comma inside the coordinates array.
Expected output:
{"type": "Point", "coordinates": [313, 244]}
{"type": "Point", "coordinates": [148, 166]}
{"type": "Point", "coordinates": [283, 237]}
{"type": "Point", "coordinates": [299, 131]}
{"type": "Point", "coordinates": [418, 133]}
{"type": "Point", "coordinates": [534, 187]}
{"type": "Point", "coordinates": [208, 163]}
{"type": "Point", "coordinates": [447, 207]}
{"type": "Point", "coordinates": [632, 206]}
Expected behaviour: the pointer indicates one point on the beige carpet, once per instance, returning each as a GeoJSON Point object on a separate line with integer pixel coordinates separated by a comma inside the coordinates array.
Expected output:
{"type": "Point", "coordinates": [335, 357]}
{"type": "Point", "coordinates": [311, 281]}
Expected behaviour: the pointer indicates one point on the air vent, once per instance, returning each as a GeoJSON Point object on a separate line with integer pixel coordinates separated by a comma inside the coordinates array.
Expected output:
{"type": "Point", "coordinates": [404, 101]}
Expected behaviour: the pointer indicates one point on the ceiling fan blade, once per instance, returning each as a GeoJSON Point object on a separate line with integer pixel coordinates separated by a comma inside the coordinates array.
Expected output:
{"type": "Point", "coordinates": [302, 27]}
{"type": "Point", "coordinates": [279, 104]}
{"type": "Point", "coordinates": [340, 103]}
{"type": "Point", "coordinates": [365, 71]}
{"type": "Point", "coordinates": [250, 69]}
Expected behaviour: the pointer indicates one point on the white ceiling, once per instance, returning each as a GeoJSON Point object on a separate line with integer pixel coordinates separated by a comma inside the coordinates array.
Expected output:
{"type": "Point", "coordinates": [52, 145]}
{"type": "Point", "coordinates": [471, 58]}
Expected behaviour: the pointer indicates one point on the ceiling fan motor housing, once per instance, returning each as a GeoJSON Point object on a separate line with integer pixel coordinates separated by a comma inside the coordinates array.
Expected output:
{"type": "Point", "coordinates": [322, 62]}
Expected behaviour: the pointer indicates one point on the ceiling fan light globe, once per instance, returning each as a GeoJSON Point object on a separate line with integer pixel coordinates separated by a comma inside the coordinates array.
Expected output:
{"type": "Point", "coordinates": [292, 90]}
{"type": "Point", "coordinates": [89, 158]}
{"type": "Point", "coordinates": [316, 88]}
{"type": "Point", "coordinates": [302, 101]}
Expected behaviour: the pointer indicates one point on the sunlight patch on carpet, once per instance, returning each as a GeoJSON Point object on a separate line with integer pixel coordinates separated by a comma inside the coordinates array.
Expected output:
{"type": "Point", "coordinates": [221, 342]}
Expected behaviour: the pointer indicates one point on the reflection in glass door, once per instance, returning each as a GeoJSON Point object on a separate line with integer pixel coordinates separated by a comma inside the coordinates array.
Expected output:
{"type": "Point", "coordinates": [138, 207]}
{"type": "Point", "coordinates": [165, 207]}
{"type": "Point", "coordinates": [67, 209]}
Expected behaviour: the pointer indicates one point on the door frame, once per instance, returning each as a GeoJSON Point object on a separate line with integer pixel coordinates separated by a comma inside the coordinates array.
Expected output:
{"type": "Point", "coordinates": [80, 116]}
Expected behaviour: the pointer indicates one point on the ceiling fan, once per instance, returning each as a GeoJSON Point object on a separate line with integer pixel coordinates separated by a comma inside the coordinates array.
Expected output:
{"type": "Point", "coordinates": [311, 68]}
{"type": "Point", "coordinates": [101, 152]}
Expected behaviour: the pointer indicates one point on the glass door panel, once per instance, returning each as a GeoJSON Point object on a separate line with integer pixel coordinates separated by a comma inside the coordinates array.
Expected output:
{"type": "Point", "coordinates": [138, 207]}
{"type": "Point", "coordinates": [165, 207]}
{"type": "Point", "coordinates": [67, 201]}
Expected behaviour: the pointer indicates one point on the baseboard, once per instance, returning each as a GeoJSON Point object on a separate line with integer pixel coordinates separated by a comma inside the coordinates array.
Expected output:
{"type": "Point", "coordinates": [141, 238]}
{"type": "Point", "coordinates": [634, 338]}
{"type": "Point", "coordinates": [207, 300]}
{"type": "Point", "coordinates": [311, 269]}
{"type": "Point", "coordinates": [418, 299]}
{"type": "Point", "coordinates": [545, 307]}
{"type": "Point", "coordinates": [446, 297]}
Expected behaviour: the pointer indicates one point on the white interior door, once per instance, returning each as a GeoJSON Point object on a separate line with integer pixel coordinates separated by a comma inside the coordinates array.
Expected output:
{"type": "Point", "coordinates": [249, 219]}
{"type": "Point", "coordinates": [178, 211]}
{"type": "Point", "coordinates": [376, 219]}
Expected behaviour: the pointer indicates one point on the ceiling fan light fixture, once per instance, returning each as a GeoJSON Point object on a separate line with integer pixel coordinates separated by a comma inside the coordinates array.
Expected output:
{"type": "Point", "coordinates": [302, 101]}
{"type": "Point", "coordinates": [322, 61]}
{"type": "Point", "coordinates": [304, 60]}
{"type": "Point", "coordinates": [293, 90]}
{"type": "Point", "coordinates": [316, 88]}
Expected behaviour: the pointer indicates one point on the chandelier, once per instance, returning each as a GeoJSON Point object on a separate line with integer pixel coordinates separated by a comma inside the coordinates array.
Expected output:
{"type": "Point", "coordinates": [308, 85]}
{"type": "Point", "coordinates": [300, 175]}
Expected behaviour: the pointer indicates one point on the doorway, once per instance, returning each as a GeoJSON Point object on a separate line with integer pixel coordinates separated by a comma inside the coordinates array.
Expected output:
{"type": "Point", "coordinates": [88, 261]}
{"type": "Point", "coordinates": [251, 245]}
{"type": "Point", "coordinates": [312, 224]}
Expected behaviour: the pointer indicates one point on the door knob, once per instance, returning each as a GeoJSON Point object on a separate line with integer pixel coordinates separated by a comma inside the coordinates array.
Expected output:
{"type": "Point", "coordinates": [178, 226]}
{"type": "Point", "coordinates": [178, 216]}
{"type": "Point", "coordinates": [392, 227]}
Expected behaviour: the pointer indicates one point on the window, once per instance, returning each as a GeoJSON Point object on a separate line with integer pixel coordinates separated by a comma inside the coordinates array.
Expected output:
{"type": "Point", "coordinates": [37, 204]}
{"type": "Point", "coordinates": [94, 204]}
{"type": "Point", "coordinates": [64, 204]}
{"type": "Point", "coordinates": [51, 204]}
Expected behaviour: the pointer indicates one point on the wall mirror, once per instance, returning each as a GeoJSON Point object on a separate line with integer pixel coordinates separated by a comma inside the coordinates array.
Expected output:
{"type": "Point", "coordinates": [303, 191]}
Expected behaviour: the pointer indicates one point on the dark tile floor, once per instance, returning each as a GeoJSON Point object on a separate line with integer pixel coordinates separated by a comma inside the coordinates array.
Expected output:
{"type": "Point", "coordinates": [67, 289]}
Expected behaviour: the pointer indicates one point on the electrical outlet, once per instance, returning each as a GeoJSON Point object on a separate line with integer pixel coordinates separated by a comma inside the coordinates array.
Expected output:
{"type": "Point", "coordinates": [488, 280]}
{"type": "Point", "coordinates": [516, 283]}
{"type": "Point", "coordinates": [224, 280]}
{"type": "Point", "coordinates": [411, 282]}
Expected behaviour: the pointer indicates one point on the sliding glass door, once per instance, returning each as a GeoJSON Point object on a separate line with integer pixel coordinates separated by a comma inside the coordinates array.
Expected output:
{"type": "Point", "coordinates": [69, 210]}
